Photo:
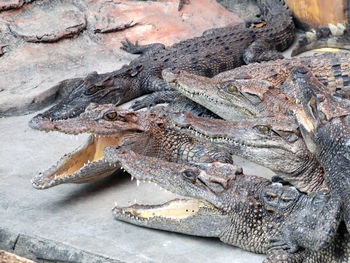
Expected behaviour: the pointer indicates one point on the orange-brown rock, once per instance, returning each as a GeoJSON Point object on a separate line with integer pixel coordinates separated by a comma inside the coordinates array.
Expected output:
{"type": "Point", "coordinates": [313, 13]}
{"type": "Point", "coordinates": [156, 21]}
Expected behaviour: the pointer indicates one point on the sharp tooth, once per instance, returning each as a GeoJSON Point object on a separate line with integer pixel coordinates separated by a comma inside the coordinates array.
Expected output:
{"type": "Point", "coordinates": [137, 182]}
{"type": "Point", "coordinates": [132, 178]}
{"type": "Point", "coordinates": [115, 204]}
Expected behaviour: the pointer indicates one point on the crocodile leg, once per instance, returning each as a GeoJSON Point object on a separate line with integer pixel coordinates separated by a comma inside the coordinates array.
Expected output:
{"type": "Point", "coordinates": [303, 229]}
{"type": "Point", "coordinates": [161, 90]}
{"type": "Point", "coordinates": [261, 50]}
{"type": "Point", "coordinates": [140, 49]}
{"type": "Point", "coordinates": [155, 98]}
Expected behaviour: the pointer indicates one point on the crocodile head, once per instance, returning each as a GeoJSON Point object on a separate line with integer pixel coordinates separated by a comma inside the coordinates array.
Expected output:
{"type": "Point", "coordinates": [104, 119]}
{"type": "Point", "coordinates": [211, 94]}
{"type": "Point", "coordinates": [108, 126]}
{"type": "Point", "coordinates": [116, 87]}
{"type": "Point", "coordinates": [83, 164]}
{"type": "Point", "coordinates": [242, 210]}
{"type": "Point", "coordinates": [272, 143]}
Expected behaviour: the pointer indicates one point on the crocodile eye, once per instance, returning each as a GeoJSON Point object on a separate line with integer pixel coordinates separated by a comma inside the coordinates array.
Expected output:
{"type": "Point", "coordinates": [190, 175]}
{"type": "Point", "coordinates": [232, 89]}
{"type": "Point", "coordinates": [110, 116]}
{"type": "Point", "coordinates": [91, 90]}
{"type": "Point", "coordinates": [313, 107]}
{"type": "Point", "coordinates": [263, 128]}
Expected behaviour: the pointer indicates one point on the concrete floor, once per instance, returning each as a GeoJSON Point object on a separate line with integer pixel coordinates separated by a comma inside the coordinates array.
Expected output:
{"type": "Point", "coordinates": [74, 222]}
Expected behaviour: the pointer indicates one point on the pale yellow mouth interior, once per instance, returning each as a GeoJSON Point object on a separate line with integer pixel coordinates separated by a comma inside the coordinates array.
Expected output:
{"type": "Point", "coordinates": [172, 209]}
{"type": "Point", "coordinates": [91, 151]}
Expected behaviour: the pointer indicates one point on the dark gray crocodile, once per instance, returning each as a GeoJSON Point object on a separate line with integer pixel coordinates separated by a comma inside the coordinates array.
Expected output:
{"type": "Point", "coordinates": [325, 125]}
{"type": "Point", "coordinates": [214, 52]}
{"type": "Point", "coordinates": [245, 211]}
{"type": "Point", "coordinates": [147, 133]}
{"type": "Point", "coordinates": [261, 89]}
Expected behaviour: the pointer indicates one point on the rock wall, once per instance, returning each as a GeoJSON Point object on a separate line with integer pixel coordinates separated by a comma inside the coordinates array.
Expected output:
{"type": "Point", "coordinates": [45, 42]}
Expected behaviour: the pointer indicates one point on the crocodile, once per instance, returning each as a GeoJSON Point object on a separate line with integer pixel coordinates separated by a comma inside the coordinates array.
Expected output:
{"type": "Point", "coordinates": [146, 132]}
{"type": "Point", "coordinates": [325, 125]}
{"type": "Point", "coordinates": [275, 143]}
{"type": "Point", "coordinates": [242, 210]}
{"type": "Point", "coordinates": [261, 89]}
{"type": "Point", "coordinates": [215, 51]}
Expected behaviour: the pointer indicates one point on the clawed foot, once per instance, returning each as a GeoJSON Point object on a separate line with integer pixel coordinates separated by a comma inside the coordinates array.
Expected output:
{"type": "Point", "coordinates": [130, 47]}
{"type": "Point", "coordinates": [282, 244]}
{"type": "Point", "coordinates": [278, 256]}
{"type": "Point", "coordinates": [142, 103]}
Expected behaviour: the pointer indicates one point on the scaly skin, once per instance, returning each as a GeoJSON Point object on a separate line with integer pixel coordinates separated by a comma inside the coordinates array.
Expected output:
{"type": "Point", "coordinates": [245, 211]}
{"type": "Point", "coordinates": [147, 133]}
{"type": "Point", "coordinates": [214, 52]}
{"type": "Point", "coordinates": [256, 90]}
{"type": "Point", "coordinates": [271, 142]}
{"type": "Point", "coordinates": [325, 127]}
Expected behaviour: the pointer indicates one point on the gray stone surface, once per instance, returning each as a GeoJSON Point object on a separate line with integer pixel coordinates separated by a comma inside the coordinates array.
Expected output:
{"type": "Point", "coordinates": [47, 22]}
{"type": "Point", "coordinates": [76, 220]}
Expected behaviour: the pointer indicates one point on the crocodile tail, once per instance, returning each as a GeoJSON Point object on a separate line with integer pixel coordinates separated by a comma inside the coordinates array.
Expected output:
{"type": "Point", "coordinates": [279, 23]}
{"type": "Point", "coordinates": [273, 8]}
{"type": "Point", "coordinates": [333, 36]}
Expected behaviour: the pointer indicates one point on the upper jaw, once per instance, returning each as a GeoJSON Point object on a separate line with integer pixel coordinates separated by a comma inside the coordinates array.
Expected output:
{"type": "Point", "coordinates": [238, 133]}
{"type": "Point", "coordinates": [167, 175]}
{"type": "Point", "coordinates": [88, 122]}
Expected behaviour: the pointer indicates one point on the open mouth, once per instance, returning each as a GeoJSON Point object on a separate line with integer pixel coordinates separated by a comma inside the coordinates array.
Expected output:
{"type": "Point", "coordinates": [84, 164]}
{"type": "Point", "coordinates": [174, 209]}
